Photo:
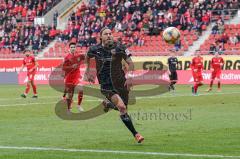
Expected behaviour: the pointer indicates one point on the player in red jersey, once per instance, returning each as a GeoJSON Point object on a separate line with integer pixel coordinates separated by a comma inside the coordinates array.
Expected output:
{"type": "Point", "coordinates": [71, 67]}
{"type": "Point", "coordinates": [216, 66]}
{"type": "Point", "coordinates": [30, 62]}
{"type": "Point", "coordinates": [197, 67]}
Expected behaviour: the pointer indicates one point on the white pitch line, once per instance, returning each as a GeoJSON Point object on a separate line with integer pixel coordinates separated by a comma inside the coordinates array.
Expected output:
{"type": "Point", "coordinates": [153, 97]}
{"type": "Point", "coordinates": [157, 96]}
{"type": "Point", "coordinates": [117, 152]}
{"type": "Point", "coordinates": [30, 104]}
{"type": "Point", "coordinates": [7, 105]}
{"type": "Point", "coordinates": [41, 97]}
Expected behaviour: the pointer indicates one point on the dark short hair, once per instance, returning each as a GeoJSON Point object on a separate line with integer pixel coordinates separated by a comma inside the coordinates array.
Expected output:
{"type": "Point", "coordinates": [104, 28]}
{"type": "Point", "coordinates": [72, 43]}
{"type": "Point", "coordinates": [26, 50]}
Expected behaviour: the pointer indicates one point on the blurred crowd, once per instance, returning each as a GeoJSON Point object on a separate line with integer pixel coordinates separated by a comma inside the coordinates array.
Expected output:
{"type": "Point", "coordinates": [131, 20]}
{"type": "Point", "coordinates": [136, 18]}
{"type": "Point", "coordinates": [17, 30]}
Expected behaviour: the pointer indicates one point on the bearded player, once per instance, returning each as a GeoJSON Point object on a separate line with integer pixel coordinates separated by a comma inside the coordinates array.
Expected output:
{"type": "Point", "coordinates": [216, 66]}
{"type": "Point", "coordinates": [71, 67]}
{"type": "Point", "coordinates": [197, 67]}
{"type": "Point", "coordinates": [114, 86]}
{"type": "Point", "coordinates": [30, 62]}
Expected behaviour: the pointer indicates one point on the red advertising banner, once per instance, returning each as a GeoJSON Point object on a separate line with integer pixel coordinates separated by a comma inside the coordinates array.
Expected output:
{"type": "Point", "coordinates": [184, 77]}
{"type": "Point", "coordinates": [15, 65]}
{"type": "Point", "coordinates": [46, 66]}
{"type": "Point", "coordinates": [227, 77]}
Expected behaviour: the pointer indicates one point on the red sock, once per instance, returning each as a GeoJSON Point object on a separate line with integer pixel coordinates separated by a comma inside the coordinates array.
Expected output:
{"type": "Point", "coordinates": [70, 96]}
{"type": "Point", "coordinates": [195, 88]}
{"type": "Point", "coordinates": [27, 89]}
{"type": "Point", "coordinates": [34, 89]}
{"type": "Point", "coordinates": [80, 97]}
{"type": "Point", "coordinates": [211, 83]}
{"type": "Point", "coordinates": [219, 85]}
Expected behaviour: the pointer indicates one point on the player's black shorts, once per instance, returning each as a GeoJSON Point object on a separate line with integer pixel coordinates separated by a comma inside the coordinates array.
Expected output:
{"type": "Point", "coordinates": [173, 75]}
{"type": "Point", "coordinates": [109, 90]}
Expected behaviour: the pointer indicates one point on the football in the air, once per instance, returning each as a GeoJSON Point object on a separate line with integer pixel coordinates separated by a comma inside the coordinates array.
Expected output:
{"type": "Point", "coordinates": [171, 35]}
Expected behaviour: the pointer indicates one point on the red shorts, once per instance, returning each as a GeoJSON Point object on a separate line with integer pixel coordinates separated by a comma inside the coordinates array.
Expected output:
{"type": "Point", "coordinates": [31, 76]}
{"type": "Point", "coordinates": [197, 76]}
{"type": "Point", "coordinates": [216, 74]}
{"type": "Point", "coordinates": [71, 82]}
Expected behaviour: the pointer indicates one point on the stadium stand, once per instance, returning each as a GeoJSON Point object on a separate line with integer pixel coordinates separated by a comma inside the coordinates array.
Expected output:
{"type": "Point", "coordinates": [226, 41]}
{"type": "Point", "coordinates": [17, 29]}
{"type": "Point", "coordinates": [142, 24]}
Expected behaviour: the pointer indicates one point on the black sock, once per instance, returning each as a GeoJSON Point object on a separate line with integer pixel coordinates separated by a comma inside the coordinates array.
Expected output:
{"type": "Point", "coordinates": [128, 123]}
{"type": "Point", "coordinates": [172, 85]}
{"type": "Point", "coordinates": [64, 93]}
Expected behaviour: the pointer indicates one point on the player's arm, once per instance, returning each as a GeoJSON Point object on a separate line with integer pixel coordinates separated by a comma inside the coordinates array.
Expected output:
{"type": "Point", "coordinates": [87, 62]}
{"type": "Point", "coordinates": [178, 64]}
{"type": "Point", "coordinates": [168, 69]}
{"type": "Point", "coordinates": [222, 62]}
{"type": "Point", "coordinates": [211, 65]}
{"type": "Point", "coordinates": [22, 67]}
{"type": "Point", "coordinates": [127, 57]}
{"type": "Point", "coordinates": [87, 76]}
{"type": "Point", "coordinates": [130, 70]}
{"type": "Point", "coordinates": [130, 64]}
{"type": "Point", "coordinates": [36, 64]}
{"type": "Point", "coordinates": [192, 65]}
{"type": "Point", "coordinates": [202, 66]}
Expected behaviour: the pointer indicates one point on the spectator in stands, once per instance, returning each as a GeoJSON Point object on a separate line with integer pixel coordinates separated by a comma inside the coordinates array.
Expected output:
{"type": "Point", "coordinates": [233, 39]}
{"type": "Point", "coordinates": [224, 38]}
{"type": "Point", "coordinates": [212, 49]}
{"type": "Point", "coordinates": [140, 39]}
{"type": "Point", "coordinates": [16, 21]}
{"type": "Point", "coordinates": [20, 47]}
{"type": "Point", "coordinates": [1, 33]}
{"type": "Point", "coordinates": [238, 36]}
{"type": "Point", "coordinates": [55, 16]}
{"type": "Point", "coordinates": [35, 45]}
{"type": "Point", "coordinates": [92, 40]}
{"type": "Point", "coordinates": [215, 29]}
{"type": "Point", "coordinates": [221, 26]}
{"type": "Point", "coordinates": [118, 26]}
{"type": "Point", "coordinates": [178, 45]}
{"type": "Point", "coordinates": [233, 8]}
{"type": "Point", "coordinates": [145, 16]}
{"type": "Point", "coordinates": [45, 38]}
{"type": "Point", "coordinates": [219, 47]}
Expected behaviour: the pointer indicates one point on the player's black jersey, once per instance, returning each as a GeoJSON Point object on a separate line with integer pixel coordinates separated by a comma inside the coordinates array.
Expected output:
{"type": "Point", "coordinates": [172, 63]}
{"type": "Point", "coordinates": [109, 62]}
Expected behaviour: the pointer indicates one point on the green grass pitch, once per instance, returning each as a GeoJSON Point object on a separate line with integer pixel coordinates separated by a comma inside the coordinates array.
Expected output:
{"type": "Point", "coordinates": [206, 126]}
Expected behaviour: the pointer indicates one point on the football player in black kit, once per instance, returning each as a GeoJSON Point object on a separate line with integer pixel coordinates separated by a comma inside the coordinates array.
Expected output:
{"type": "Point", "coordinates": [172, 68]}
{"type": "Point", "coordinates": [108, 55]}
